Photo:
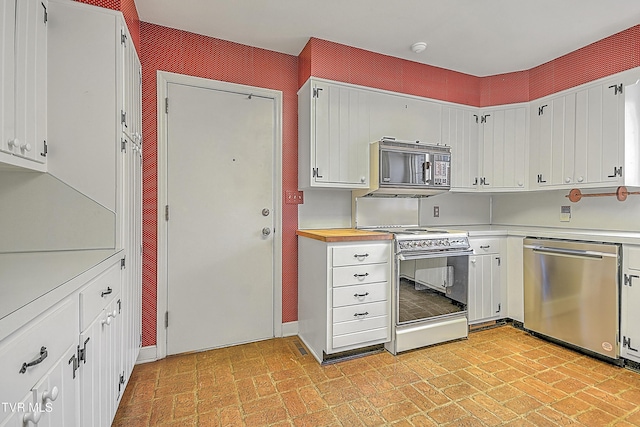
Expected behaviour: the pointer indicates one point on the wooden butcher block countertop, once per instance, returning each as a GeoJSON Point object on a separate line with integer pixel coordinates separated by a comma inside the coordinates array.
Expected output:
{"type": "Point", "coordinates": [344, 235]}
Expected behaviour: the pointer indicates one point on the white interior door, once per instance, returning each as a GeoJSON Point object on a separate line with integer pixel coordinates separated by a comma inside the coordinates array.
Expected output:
{"type": "Point", "coordinates": [220, 180]}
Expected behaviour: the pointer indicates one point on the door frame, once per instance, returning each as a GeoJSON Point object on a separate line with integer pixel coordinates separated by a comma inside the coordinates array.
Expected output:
{"type": "Point", "coordinates": [163, 79]}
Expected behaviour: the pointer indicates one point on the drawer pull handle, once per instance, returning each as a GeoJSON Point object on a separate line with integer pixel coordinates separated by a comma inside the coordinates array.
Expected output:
{"type": "Point", "coordinates": [107, 292]}
{"type": "Point", "coordinates": [485, 247]}
{"type": "Point", "coordinates": [357, 276]}
{"type": "Point", "coordinates": [366, 313]}
{"type": "Point", "coordinates": [361, 295]}
{"type": "Point", "coordinates": [43, 355]}
{"type": "Point", "coordinates": [360, 256]}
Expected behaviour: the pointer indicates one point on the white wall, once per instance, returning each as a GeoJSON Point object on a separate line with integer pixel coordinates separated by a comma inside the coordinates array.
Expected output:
{"type": "Point", "coordinates": [325, 209]}
{"type": "Point", "coordinates": [456, 209]}
{"type": "Point", "coordinates": [542, 208]}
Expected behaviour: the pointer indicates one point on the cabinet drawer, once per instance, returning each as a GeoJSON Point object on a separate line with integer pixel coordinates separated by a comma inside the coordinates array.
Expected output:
{"type": "Point", "coordinates": [485, 246]}
{"type": "Point", "coordinates": [633, 257]}
{"type": "Point", "coordinates": [360, 254]}
{"type": "Point", "coordinates": [98, 294]}
{"type": "Point", "coordinates": [56, 332]}
{"type": "Point", "coordinates": [360, 311]}
{"type": "Point", "coordinates": [360, 274]}
{"type": "Point", "coordinates": [360, 325]}
{"type": "Point", "coordinates": [363, 337]}
{"type": "Point", "coordinates": [360, 294]}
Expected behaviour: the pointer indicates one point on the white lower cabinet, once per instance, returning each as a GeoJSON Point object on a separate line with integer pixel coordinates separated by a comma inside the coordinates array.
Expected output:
{"type": "Point", "coordinates": [343, 295]}
{"type": "Point", "coordinates": [37, 360]}
{"type": "Point", "coordinates": [630, 304]}
{"type": "Point", "coordinates": [485, 280]}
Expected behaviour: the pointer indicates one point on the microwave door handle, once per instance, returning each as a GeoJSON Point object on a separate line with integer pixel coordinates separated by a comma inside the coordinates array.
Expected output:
{"type": "Point", "coordinates": [425, 167]}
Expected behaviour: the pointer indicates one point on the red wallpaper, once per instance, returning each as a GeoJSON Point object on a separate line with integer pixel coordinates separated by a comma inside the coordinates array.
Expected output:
{"type": "Point", "coordinates": [352, 65]}
{"type": "Point", "coordinates": [167, 49]}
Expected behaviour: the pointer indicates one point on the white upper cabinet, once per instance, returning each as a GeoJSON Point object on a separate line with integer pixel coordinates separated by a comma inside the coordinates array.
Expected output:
{"type": "Point", "coordinates": [578, 137]}
{"type": "Point", "coordinates": [23, 83]}
{"type": "Point", "coordinates": [404, 118]}
{"type": "Point", "coordinates": [333, 135]}
{"type": "Point", "coordinates": [488, 147]}
{"type": "Point", "coordinates": [460, 131]}
{"type": "Point", "coordinates": [504, 148]}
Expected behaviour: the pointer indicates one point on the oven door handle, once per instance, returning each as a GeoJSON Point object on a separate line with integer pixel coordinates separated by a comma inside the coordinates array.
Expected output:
{"type": "Point", "coordinates": [438, 254]}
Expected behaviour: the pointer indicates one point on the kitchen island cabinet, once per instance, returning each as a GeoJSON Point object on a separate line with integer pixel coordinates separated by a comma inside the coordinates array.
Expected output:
{"type": "Point", "coordinates": [343, 292]}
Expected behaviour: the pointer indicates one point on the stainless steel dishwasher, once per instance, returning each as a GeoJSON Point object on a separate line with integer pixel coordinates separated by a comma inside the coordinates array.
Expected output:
{"type": "Point", "coordinates": [571, 293]}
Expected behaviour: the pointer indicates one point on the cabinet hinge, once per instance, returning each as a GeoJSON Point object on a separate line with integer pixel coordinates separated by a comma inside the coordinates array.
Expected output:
{"type": "Point", "coordinates": [626, 343]}
{"type": "Point", "coordinates": [82, 352]}
{"type": "Point", "coordinates": [45, 149]}
{"type": "Point", "coordinates": [316, 92]}
{"type": "Point", "coordinates": [123, 263]}
{"type": "Point", "coordinates": [476, 116]}
{"type": "Point", "coordinates": [123, 37]}
{"type": "Point", "coordinates": [45, 17]}
{"type": "Point", "coordinates": [316, 173]}
{"type": "Point", "coordinates": [75, 364]}
{"type": "Point", "coordinates": [617, 89]}
{"type": "Point", "coordinates": [617, 171]}
{"type": "Point", "coordinates": [166, 212]}
{"type": "Point", "coordinates": [123, 145]}
{"type": "Point", "coordinates": [541, 109]}
{"type": "Point", "coordinates": [483, 119]}
{"type": "Point", "coordinates": [166, 105]}
{"type": "Point", "coordinates": [540, 180]}
{"type": "Point", "coordinates": [123, 117]}
{"type": "Point", "coordinates": [119, 306]}
{"type": "Point", "coordinates": [628, 279]}
{"type": "Point", "coordinates": [499, 261]}
{"type": "Point", "coordinates": [166, 319]}
{"type": "Point", "coordinates": [120, 383]}
{"type": "Point", "coordinates": [499, 308]}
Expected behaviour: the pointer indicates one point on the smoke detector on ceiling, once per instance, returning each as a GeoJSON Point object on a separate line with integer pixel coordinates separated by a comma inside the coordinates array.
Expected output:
{"type": "Point", "coordinates": [418, 47]}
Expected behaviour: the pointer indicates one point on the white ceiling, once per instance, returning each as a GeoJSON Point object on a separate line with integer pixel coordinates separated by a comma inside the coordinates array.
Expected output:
{"type": "Point", "coordinates": [478, 37]}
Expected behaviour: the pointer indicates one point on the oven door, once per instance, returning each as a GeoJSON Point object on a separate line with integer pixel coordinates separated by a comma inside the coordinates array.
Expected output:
{"type": "Point", "coordinates": [430, 286]}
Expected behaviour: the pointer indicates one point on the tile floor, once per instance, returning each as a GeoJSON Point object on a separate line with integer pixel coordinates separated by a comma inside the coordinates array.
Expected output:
{"type": "Point", "coordinates": [500, 376]}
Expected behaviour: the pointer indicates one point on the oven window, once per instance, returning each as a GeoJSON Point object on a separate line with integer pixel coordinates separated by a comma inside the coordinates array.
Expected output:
{"type": "Point", "coordinates": [432, 287]}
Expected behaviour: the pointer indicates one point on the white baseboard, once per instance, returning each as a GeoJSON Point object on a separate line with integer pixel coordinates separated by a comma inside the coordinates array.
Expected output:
{"type": "Point", "coordinates": [289, 329]}
{"type": "Point", "coordinates": [147, 354]}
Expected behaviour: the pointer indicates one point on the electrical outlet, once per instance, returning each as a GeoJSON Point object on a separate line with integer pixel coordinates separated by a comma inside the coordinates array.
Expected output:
{"type": "Point", "coordinates": [293, 197]}
{"type": "Point", "coordinates": [436, 211]}
{"type": "Point", "coordinates": [565, 213]}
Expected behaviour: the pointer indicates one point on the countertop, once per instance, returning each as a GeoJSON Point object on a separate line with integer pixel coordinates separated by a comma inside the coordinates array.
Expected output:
{"type": "Point", "coordinates": [343, 235]}
{"type": "Point", "coordinates": [625, 237]}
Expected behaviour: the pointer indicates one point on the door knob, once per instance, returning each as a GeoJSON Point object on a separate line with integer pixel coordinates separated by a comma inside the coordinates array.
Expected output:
{"type": "Point", "coordinates": [265, 212]}
{"type": "Point", "coordinates": [266, 231]}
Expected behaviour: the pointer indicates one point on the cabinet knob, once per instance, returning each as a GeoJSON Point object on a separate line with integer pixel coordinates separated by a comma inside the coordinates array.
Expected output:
{"type": "Point", "coordinates": [567, 180]}
{"type": "Point", "coordinates": [32, 417]}
{"type": "Point", "coordinates": [50, 394]}
{"type": "Point", "coordinates": [520, 183]}
{"type": "Point", "coordinates": [362, 179]}
{"type": "Point", "coordinates": [580, 179]}
{"type": "Point", "coordinates": [26, 147]}
{"type": "Point", "coordinates": [473, 261]}
{"type": "Point", "coordinates": [13, 143]}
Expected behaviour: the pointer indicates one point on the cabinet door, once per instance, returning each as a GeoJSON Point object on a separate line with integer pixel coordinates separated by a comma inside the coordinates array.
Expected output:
{"type": "Point", "coordinates": [31, 79]}
{"type": "Point", "coordinates": [630, 304]}
{"type": "Point", "coordinates": [57, 393]}
{"type": "Point", "coordinates": [405, 118]}
{"type": "Point", "coordinates": [460, 131]}
{"type": "Point", "coordinates": [600, 133]}
{"type": "Point", "coordinates": [504, 154]}
{"type": "Point", "coordinates": [7, 77]}
{"type": "Point", "coordinates": [341, 136]}
{"type": "Point", "coordinates": [484, 288]}
{"type": "Point", "coordinates": [552, 141]}
{"type": "Point", "coordinates": [131, 117]}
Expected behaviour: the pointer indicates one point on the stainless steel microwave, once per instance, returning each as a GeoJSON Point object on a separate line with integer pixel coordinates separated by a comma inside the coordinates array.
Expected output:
{"type": "Point", "coordinates": [409, 169]}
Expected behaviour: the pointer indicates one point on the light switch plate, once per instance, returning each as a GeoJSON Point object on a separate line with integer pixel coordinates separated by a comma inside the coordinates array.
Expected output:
{"type": "Point", "coordinates": [293, 197]}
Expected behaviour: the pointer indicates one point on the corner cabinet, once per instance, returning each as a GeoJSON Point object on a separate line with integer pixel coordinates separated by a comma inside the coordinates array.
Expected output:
{"type": "Point", "coordinates": [23, 83]}
{"type": "Point", "coordinates": [333, 136]}
{"type": "Point", "coordinates": [486, 280]}
{"type": "Point", "coordinates": [343, 295]}
{"type": "Point", "coordinates": [630, 304]}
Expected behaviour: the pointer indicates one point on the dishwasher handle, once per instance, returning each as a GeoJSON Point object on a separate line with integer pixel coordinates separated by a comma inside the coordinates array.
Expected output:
{"type": "Point", "coordinates": [568, 252]}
